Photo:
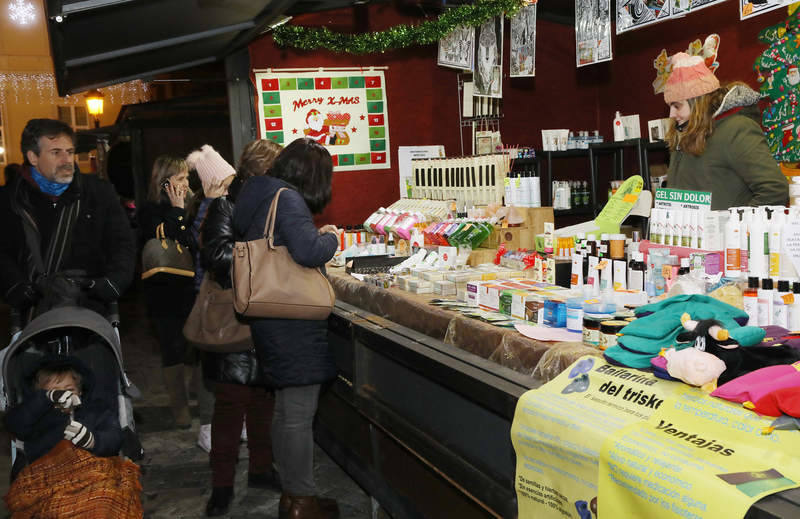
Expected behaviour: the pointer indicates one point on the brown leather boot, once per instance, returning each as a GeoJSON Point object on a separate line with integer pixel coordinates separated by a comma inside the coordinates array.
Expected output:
{"type": "Point", "coordinates": [310, 507]}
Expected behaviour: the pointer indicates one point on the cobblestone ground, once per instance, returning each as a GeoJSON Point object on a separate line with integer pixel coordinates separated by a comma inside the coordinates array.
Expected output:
{"type": "Point", "coordinates": [175, 472]}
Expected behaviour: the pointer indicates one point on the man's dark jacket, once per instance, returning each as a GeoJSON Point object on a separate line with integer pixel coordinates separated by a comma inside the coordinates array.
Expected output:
{"type": "Point", "coordinates": [102, 243]}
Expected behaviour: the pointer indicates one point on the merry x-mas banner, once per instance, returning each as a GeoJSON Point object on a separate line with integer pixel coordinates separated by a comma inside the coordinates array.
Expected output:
{"type": "Point", "coordinates": [345, 111]}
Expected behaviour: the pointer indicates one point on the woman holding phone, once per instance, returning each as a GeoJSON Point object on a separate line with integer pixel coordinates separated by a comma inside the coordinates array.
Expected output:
{"type": "Point", "coordinates": [169, 296]}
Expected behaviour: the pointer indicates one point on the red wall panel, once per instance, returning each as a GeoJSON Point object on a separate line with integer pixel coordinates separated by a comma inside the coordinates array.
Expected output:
{"type": "Point", "coordinates": [423, 102]}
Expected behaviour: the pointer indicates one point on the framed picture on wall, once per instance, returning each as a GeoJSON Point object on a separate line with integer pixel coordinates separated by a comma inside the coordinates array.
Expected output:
{"type": "Point", "coordinates": [488, 73]}
{"type": "Point", "coordinates": [523, 42]}
{"type": "Point", "coordinates": [457, 49]}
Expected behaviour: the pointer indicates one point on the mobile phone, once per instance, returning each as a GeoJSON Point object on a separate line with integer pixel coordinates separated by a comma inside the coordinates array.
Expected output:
{"type": "Point", "coordinates": [165, 184]}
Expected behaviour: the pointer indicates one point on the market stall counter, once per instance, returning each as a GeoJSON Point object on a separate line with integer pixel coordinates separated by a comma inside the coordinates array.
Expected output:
{"type": "Point", "coordinates": [421, 412]}
{"type": "Point", "coordinates": [504, 346]}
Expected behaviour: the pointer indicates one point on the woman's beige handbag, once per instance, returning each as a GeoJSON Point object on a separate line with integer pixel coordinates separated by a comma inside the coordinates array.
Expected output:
{"type": "Point", "coordinates": [267, 282]}
{"type": "Point", "coordinates": [212, 325]}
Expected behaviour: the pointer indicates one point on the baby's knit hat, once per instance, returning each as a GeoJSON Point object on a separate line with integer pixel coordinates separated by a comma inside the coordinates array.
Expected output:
{"type": "Point", "coordinates": [689, 78]}
{"type": "Point", "coordinates": [211, 167]}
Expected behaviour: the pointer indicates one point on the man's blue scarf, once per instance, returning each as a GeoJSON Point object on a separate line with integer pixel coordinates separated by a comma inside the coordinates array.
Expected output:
{"type": "Point", "coordinates": [48, 187]}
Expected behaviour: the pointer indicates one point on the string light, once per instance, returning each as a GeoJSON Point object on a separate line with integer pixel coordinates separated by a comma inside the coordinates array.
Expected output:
{"type": "Point", "coordinates": [41, 88]}
{"type": "Point", "coordinates": [21, 12]}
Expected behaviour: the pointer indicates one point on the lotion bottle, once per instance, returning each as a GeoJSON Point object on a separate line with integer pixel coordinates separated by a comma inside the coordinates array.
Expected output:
{"type": "Point", "coordinates": [619, 128]}
{"type": "Point", "coordinates": [732, 244]}
{"type": "Point", "coordinates": [794, 308]}
{"type": "Point", "coordinates": [750, 301]}
{"type": "Point", "coordinates": [780, 311]}
{"type": "Point", "coordinates": [759, 249]}
{"type": "Point", "coordinates": [765, 298]}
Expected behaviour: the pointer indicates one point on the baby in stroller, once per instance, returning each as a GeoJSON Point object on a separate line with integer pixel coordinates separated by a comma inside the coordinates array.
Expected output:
{"type": "Point", "coordinates": [71, 437]}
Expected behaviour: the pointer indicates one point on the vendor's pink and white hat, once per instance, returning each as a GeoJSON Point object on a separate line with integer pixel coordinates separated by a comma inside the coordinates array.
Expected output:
{"type": "Point", "coordinates": [689, 78]}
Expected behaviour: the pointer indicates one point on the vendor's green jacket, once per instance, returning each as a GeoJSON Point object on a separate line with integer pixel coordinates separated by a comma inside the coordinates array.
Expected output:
{"type": "Point", "coordinates": [737, 166]}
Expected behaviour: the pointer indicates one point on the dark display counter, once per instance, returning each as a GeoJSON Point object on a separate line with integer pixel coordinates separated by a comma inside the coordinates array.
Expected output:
{"type": "Point", "coordinates": [424, 427]}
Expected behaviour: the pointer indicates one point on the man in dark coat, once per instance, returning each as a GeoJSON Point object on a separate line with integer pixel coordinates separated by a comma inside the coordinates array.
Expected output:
{"type": "Point", "coordinates": [57, 221]}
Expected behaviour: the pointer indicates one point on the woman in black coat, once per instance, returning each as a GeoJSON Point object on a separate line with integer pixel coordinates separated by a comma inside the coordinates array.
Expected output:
{"type": "Point", "coordinates": [294, 354]}
{"type": "Point", "coordinates": [170, 296]}
{"type": "Point", "coordinates": [239, 386]}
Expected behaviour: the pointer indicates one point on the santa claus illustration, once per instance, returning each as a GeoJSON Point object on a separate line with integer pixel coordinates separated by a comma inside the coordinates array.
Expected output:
{"type": "Point", "coordinates": [338, 122]}
{"type": "Point", "coordinates": [315, 127]}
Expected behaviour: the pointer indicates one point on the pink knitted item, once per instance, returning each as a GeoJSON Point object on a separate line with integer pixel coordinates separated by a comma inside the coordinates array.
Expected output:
{"type": "Point", "coordinates": [211, 167]}
{"type": "Point", "coordinates": [689, 78]}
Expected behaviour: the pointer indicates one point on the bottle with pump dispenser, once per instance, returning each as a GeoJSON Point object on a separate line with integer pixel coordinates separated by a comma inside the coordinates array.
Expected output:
{"type": "Point", "coordinates": [775, 232]}
{"type": "Point", "coordinates": [746, 217]}
{"type": "Point", "coordinates": [758, 260]}
{"type": "Point", "coordinates": [732, 244]}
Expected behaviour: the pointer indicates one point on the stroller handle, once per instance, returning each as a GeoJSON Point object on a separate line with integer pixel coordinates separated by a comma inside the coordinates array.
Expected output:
{"type": "Point", "coordinates": [15, 318]}
{"type": "Point", "coordinates": [113, 314]}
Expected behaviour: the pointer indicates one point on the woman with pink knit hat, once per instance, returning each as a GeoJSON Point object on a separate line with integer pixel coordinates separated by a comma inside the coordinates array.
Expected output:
{"type": "Point", "coordinates": [716, 140]}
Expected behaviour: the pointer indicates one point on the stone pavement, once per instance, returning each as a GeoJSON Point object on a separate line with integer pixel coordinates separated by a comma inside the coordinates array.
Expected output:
{"type": "Point", "coordinates": [175, 471]}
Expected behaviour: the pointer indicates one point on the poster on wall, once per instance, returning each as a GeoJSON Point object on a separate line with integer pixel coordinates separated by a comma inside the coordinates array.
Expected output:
{"type": "Point", "coordinates": [634, 14]}
{"type": "Point", "coordinates": [457, 49]}
{"type": "Point", "coordinates": [592, 31]}
{"type": "Point", "coordinates": [683, 7]}
{"type": "Point", "coordinates": [345, 111]}
{"type": "Point", "coordinates": [748, 8]}
{"type": "Point", "coordinates": [488, 75]}
{"type": "Point", "coordinates": [523, 42]}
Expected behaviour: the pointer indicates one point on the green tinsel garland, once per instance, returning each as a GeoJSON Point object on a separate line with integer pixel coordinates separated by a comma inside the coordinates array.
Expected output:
{"type": "Point", "coordinates": [398, 37]}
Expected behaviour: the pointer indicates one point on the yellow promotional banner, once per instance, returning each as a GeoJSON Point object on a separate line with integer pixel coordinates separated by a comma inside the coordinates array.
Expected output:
{"type": "Point", "coordinates": [586, 443]}
{"type": "Point", "coordinates": [696, 457]}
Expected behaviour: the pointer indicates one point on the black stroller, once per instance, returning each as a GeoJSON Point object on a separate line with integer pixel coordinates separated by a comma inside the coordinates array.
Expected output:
{"type": "Point", "coordinates": [86, 335]}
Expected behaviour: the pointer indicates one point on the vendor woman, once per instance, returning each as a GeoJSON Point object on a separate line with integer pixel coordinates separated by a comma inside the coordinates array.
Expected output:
{"type": "Point", "coordinates": [716, 141]}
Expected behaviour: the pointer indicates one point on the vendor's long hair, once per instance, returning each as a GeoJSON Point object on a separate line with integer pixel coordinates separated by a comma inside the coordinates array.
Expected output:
{"type": "Point", "coordinates": [700, 125]}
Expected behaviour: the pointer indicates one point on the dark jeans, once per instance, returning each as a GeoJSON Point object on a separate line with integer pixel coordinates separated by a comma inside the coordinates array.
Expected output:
{"type": "Point", "coordinates": [233, 403]}
{"type": "Point", "coordinates": [293, 438]}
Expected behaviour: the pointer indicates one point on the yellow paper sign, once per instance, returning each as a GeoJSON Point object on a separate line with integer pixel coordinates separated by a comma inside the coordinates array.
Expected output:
{"type": "Point", "coordinates": [618, 207]}
{"type": "Point", "coordinates": [619, 442]}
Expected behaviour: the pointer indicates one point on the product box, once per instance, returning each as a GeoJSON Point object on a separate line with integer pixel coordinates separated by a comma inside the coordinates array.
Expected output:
{"type": "Point", "coordinates": [519, 300]}
{"type": "Point", "coordinates": [481, 256]}
{"type": "Point", "coordinates": [657, 129]}
{"type": "Point", "coordinates": [536, 217]}
{"type": "Point", "coordinates": [513, 237]}
{"type": "Point", "coordinates": [473, 287]}
{"type": "Point", "coordinates": [489, 296]}
{"type": "Point", "coordinates": [433, 275]}
{"type": "Point", "coordinates": [448, 255]}
{"type": "Point", "coordinates": [444, 288]}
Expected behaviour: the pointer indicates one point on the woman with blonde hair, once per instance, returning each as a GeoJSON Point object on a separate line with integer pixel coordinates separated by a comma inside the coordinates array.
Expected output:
{"type": "Point", "coordinates": [239, 386]}
{"type": "Point", "coordinates": [716, 141]}
{"type": "Point", "coordinates": [169, 296]}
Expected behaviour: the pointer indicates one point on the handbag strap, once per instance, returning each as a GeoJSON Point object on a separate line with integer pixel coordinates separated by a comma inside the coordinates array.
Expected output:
{"type": "Point", "coordinates": [269, 225]}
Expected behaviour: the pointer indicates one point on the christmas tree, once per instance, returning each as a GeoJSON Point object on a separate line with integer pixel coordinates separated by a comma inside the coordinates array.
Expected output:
{"type": "Point", "coordinates": [780, 83]}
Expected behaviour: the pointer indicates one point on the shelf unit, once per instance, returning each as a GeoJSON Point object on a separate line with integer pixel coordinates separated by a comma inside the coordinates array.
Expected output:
{"type": "Point", "coordinates": [547, 186]}
{"type": "Point", "coordinates": [477, 123]}
{"type": "Point", "coordinates": [616, 150]}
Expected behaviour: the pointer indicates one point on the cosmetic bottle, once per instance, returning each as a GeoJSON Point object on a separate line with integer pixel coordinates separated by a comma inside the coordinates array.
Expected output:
{"type": "Point", "coordinates": [750, 301]}
{"type": "Point", "coordinates": [765, 298]}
